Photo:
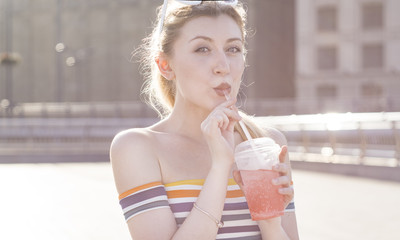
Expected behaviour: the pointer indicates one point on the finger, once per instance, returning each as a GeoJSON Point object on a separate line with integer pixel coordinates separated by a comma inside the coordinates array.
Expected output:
{"type": "Point", "coordinates": [225, 122]}
{"type": "Point", "coordinates": [219, 117]}
{"type": "Point", "coordinates": [223, 117]}
{"type": "Point", "coordinates": [231, 125]}
{"type": "Point", "coordinates": [286, 191]}
{"type": "Point", "coordinates": [231, 113]}
{"type": "Point", "coordinates": [282, 168]}
{"type": "Point", "coordinates": [235, 108]}
{"type": "Point", "coordinates": [237, 177]}
{"type": "Point", "coordinates": [228, 103]}
{"type": "Point", "coordinates": [234, 114]}
{"type": "Point", "coordinates": [282, 154]}
{"type": "Point", "coordinates": [282, 180]}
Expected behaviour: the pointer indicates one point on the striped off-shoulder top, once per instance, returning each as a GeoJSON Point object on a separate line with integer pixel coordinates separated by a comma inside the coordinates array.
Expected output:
{"type": "Point", "coordinates": [180, 196]}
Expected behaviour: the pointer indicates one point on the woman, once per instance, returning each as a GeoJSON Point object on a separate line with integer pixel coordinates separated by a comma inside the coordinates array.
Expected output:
{"type": "Point", "coordinates": [175, 178]}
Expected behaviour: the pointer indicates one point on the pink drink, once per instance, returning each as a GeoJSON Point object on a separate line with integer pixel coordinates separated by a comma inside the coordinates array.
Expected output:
{"type": "Point", "coordinates": [262, 196]}
{"type": "Point", "coordinates": [254, 159]}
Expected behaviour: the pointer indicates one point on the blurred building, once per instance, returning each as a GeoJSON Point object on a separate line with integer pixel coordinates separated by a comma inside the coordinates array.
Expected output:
{"type": "Point", "coordinates": [305, 56]}
{"type": "Point", "coordinates": [348, 55]}
{"type": "Point", "coordinates": [74, 51]}
{"type": "Point", "coordinates": [80, 51]}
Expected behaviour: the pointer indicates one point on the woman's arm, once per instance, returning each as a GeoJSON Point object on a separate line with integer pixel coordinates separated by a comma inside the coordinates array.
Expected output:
{"type": "Point", "coordinates": [134, 164]}
{"type": "Point", "coordinates": [218, 131]}
{"type": "Point", "coordinates": [272, 229]}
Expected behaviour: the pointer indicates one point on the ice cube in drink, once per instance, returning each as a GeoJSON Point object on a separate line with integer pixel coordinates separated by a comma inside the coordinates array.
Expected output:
{"type": "Point", "coordinates": [262, 196]}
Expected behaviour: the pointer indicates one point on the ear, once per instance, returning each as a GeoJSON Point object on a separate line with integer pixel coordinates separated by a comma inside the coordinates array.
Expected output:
{"type": "Point", "coordinates": [164, 66]}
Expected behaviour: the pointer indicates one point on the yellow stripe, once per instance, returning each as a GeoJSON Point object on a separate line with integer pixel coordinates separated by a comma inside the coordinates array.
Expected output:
{"type": "Point", "coordinates": [199, 182]}
{"type": "Point", "coordinates": [181, 193]}
{"type": "Point", "coordinates": [195, 193]}
{"type": "Point", "coordinates": [184, 193]}
{"type": "Point", "coordinates": [231, 182]}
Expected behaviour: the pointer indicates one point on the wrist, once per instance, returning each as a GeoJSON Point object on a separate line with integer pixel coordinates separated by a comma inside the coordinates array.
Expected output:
{"type": "Point", "coordinates": [272, 223]}
{"type": "Point", "coordinates": [222, 159]}
{"type": "Point", "coordinates": [221, 166]}
{"type": "Point", "coordinates": [272, 229]}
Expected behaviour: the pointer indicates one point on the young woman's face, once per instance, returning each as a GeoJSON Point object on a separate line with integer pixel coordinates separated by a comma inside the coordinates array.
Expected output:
{"type": "Point", "coordinates": [208, 61]}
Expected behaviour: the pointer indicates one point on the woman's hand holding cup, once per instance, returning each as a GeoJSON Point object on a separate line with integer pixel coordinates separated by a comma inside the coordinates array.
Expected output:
{"type": "Point", "coordinates": [284, 178]}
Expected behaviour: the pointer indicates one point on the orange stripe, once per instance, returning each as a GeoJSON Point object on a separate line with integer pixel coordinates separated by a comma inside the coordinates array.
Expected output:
{"type": "Point", "coordinates": [195, 193]}
{"type": "Point", "coordinates": [136, 189]}
{"type": "Point", "coordinates": [234, 193]}
{"type": "Point", "coordinates": [183, 193]}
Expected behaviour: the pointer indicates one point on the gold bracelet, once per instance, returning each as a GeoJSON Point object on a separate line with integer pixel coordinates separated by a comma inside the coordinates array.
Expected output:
{"type": "Point", "coordinates": [219, 224]}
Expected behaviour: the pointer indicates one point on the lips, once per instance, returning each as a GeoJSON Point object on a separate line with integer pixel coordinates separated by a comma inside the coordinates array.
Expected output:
{"type": "Point", "coordinates": [222, 89]}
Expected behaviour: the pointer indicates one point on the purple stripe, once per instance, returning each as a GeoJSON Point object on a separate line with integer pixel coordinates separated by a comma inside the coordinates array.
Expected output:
{"type": "Point", "coordinates": [141, 196]}
{"type": "Point", "coordinates": [235, 217]}
{"type": "Point", "coordinates": [187, 206]}
{"type": "Point", "coordinates": [236, 206]}
{"type": "Point", "coordinates": [225, 218]}
{"type": "Point", "coordinates": [180, 220]}
{"type": "Point", "coordinates": [181, 207]}
{"type": "Point", "coordinates": [257, 237]}
{"type": "Point", "coordinates": [290, 206]}
{"type": "Point", "coordinates": [151, 205]}
{"type": "Point", "coordinates": [236, 229]}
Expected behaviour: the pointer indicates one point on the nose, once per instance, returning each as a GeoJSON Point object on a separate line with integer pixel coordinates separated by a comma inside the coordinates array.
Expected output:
{"type": "Point", "coordinates": [221, 66]}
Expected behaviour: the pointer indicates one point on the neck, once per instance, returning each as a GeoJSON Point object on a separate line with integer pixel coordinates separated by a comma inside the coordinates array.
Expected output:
{"type": "Point", "coordinates": [187, 121]}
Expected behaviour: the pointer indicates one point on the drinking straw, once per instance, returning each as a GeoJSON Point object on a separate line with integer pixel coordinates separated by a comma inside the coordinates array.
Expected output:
{"type": "Point", "coordinates": [241, 124]}
{"type": "Point", "coordinates": [246, 132]}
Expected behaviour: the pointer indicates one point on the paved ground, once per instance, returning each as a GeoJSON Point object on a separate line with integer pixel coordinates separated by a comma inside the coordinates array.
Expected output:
{"type": "Point", "coordinates": [78, 201]}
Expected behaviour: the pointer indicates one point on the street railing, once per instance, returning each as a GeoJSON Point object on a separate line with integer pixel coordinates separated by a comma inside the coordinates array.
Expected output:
{"type": "Point", "coordinates": [62, 135]}
{"type": "Point", "coordinates": [359, 138]}
{"type": "Point", "coordinates": [133, 109]}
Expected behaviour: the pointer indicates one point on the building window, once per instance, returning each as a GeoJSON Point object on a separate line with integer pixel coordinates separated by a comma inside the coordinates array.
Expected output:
{"type": "Point", "coordinates": [327, 58]}
{"type": "Point", "coordinates": [372, 16]}
{"type": "Point", "coordinates": [327, 19]}
{"type": "Point", "coordinates": [372, 56]}
{"type": "Point", "coordinates": [326, 92]}
{"type": "Point", "coordinates": [371, 90]}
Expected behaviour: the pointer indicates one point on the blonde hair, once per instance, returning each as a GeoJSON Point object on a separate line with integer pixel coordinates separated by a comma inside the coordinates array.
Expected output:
{"type": "Point", "coordinates": [159, 91]}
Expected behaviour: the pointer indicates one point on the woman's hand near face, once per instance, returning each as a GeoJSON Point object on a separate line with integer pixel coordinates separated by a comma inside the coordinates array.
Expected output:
{"type": "Point", "coordinates": [218, 131]}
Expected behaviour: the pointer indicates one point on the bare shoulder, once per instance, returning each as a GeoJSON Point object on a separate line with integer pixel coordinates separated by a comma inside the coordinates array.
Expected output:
{"type": "Point", "coordinates": [134, 159]}
{"type": "Point", "coordinates": [275, 134]}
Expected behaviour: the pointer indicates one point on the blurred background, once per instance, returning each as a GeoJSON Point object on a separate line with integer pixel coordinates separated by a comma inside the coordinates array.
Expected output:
{"type": "Point", "coordinates": [325, 72]}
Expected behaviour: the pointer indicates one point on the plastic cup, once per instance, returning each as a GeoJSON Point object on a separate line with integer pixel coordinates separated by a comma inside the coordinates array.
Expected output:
{"type": "Point", "coordinates": [254, 159]}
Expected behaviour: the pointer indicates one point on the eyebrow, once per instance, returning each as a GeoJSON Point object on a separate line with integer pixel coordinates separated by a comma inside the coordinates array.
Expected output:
{"type": "Point", "coordinates": [210, 39]}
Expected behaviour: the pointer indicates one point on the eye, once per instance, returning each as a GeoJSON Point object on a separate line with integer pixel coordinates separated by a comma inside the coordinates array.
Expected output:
{"type": "Point", "coordinates": [234, 50]}
{"type": "Point", "coordinates": [202, 49]}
